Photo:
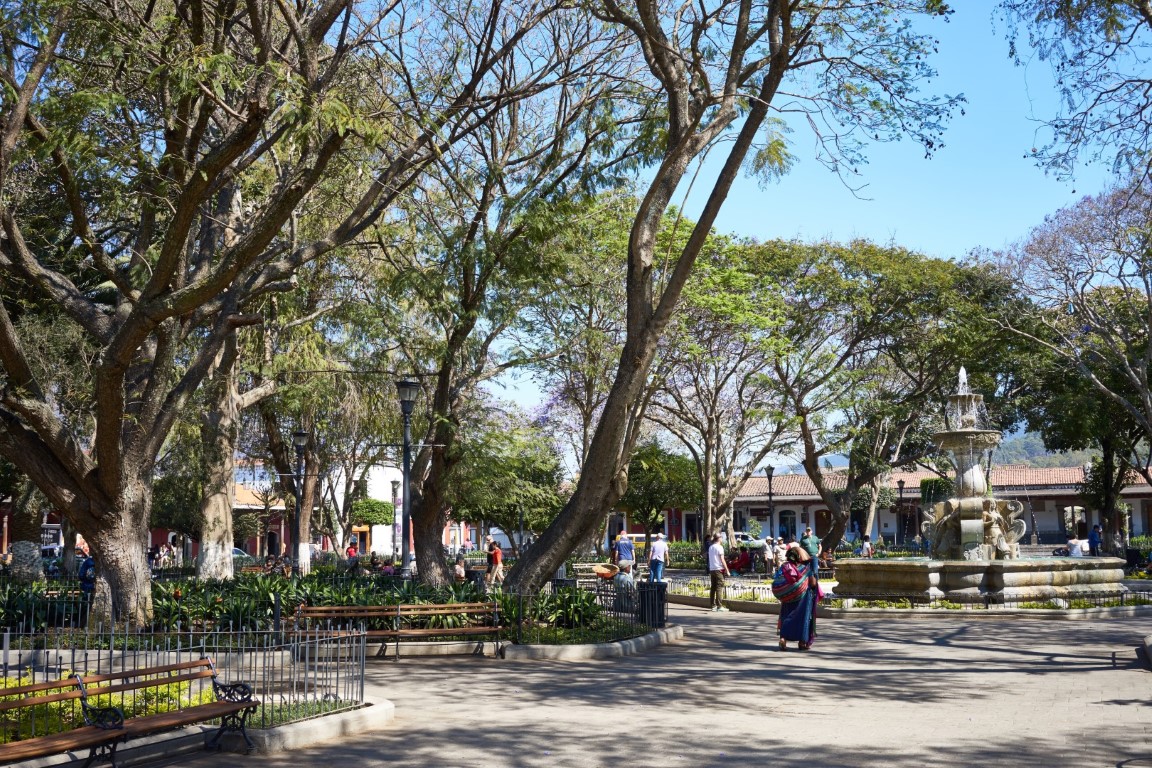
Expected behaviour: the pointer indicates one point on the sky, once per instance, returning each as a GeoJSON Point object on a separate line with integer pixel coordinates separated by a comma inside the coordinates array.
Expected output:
{"type": "Point", "coordinates": [982, 190]}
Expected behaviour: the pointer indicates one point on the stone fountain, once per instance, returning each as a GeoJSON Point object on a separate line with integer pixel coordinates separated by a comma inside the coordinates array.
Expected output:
{"type": "Point", "coordinates": [974, 536]}
{"type": "Point", "coordinates": [973, 526]}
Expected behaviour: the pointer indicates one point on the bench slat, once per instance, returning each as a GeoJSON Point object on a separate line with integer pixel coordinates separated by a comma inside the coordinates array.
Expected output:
{"type": "Point", "coordinates": [165, 721]}
{"type": "Point", "coordinates": [32, 701]}
{"type": "Point", "coordinates": [155, 682]}
{"type": "Point", "coordinates": [42, 746]}
{"type": "Point", "coordinates": [146, 671]}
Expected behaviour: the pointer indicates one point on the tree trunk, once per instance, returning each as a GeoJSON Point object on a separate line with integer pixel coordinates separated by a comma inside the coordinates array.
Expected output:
{"type": "Point", "coordinates": [218, 437]}
{"type": "Point", "coordinates": [607, 463]}
{"type": "Point", "coordinates": [311, 480]}
{"type": "Point", "coordinates": [870, 517]}
{"type": "Point", "coordinates": [68, 558]}
{"type": "Point", "coordinates": [118, 547]}
{"type": "Point", "coordinates": [27, 565]}
{"type": "Point", "coordinates": [428, 529]}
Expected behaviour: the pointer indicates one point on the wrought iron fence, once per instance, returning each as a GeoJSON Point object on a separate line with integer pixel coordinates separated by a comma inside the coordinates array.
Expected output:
{"type": "Point", "coordinates": [563, 613]}
{"type": "Point", "coordinates": [294, 675]}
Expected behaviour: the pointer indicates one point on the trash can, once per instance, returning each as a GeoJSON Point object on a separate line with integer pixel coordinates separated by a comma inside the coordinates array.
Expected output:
{"type": "Point", "coordinates": [559, 584]}
{"type": "Point", "coordinates": [476, 576]}
{"type": "Point", "coordinates": [653, 603]}
{"type": "Point", "coordinates": [1132, 558]}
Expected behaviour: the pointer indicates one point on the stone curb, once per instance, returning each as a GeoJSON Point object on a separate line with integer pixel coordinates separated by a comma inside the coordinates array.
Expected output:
{"type": "Point", "coordinates": [595, 650]}
{"type": "Point", "coordinates": [1074, 614]}
{"type": "Point", "coordinates": [378, 713]}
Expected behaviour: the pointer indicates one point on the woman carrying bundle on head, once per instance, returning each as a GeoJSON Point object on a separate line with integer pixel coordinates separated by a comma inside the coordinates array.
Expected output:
{"type": "Point", "coordinates": [798, 590]}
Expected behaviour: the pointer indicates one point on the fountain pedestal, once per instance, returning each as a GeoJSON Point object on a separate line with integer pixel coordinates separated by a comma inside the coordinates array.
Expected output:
{"type": "Point", "coordinates": [993, 581]}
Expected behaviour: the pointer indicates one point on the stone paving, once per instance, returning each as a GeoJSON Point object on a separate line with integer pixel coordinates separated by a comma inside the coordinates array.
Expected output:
{"type": "Point", "coordinates": [871, 692]}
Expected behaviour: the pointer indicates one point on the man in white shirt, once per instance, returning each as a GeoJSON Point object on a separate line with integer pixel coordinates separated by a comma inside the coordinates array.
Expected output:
{"type": "Point", "coordinates": [1075, 548]}
{"type": "Point", "coordinates": [717, 569]}
{"type": "Point", "coordinates": [658, 559]}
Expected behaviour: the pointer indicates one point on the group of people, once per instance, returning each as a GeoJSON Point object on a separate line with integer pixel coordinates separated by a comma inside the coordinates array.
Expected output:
{"type": "Point", "coordinates": [624, 555]}
{"type": "Point", "coordinates": [1089, 548]}
{"type": "Point", "coordinates": [163, 556]}
{"type": "Point", "coordinates": [494, 565]}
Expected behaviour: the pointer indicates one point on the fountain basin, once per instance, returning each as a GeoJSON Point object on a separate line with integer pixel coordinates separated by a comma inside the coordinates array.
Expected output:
{"type": "Point", "coordinates": [996, 581]}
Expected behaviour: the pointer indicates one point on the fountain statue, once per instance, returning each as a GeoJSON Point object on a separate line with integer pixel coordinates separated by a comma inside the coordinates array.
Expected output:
{"type": "Point", "coordinates": [975, 551]}
{"type": "Point", "coordinates": [974, 525]}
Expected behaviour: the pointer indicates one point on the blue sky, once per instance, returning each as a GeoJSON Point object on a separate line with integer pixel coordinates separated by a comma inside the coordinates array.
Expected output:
{"type": "Point", "coordinates": [980, 190]}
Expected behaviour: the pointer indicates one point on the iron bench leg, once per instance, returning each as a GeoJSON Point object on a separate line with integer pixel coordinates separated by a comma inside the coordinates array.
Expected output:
{"type": "Point", "coordinates": [234, 723]}
{"type": "Point", "coordinates": [104, 753]}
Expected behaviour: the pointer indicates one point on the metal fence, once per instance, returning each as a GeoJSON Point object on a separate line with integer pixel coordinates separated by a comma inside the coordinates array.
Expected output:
{"type": "Point", "coordinates": [564, 613]}
{"type": "Point", "coordinates": [295, 676]}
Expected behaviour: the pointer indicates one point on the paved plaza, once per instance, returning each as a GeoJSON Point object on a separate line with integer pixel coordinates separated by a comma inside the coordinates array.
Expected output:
{"type": "Point", "coordinates": [872, 692]}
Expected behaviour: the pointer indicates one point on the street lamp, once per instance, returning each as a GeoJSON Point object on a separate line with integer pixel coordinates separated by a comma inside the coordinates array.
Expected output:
{"type": "Point", "coordinates": [900, 506]}
{"type": "Point", "coordinates": [299, 442]}
{"type": "Point", "coordinates": [407, 392]}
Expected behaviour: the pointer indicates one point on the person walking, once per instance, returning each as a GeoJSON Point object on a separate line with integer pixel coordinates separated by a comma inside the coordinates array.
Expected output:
{"type": "Point", "coordinates": [625, 549]}
{"type": "Point", "coordinates": [797, 589]}
{"type": "Point", "coordinates": [658, 558]}
{"type": "Point", "coordinates": [717, 569]}
{"type": "Point", "coordinates": [497, 563]}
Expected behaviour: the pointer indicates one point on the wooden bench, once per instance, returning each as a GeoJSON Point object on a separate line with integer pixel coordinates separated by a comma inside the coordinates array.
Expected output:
{"type": "Point", "coordinates": [106, 727]}
{"type": "Point", "coordinates": [96, 736]}
{"type": "Point", "coordinates": [407, 621]}
{"type": "Point", "coordinates": [234, 702]}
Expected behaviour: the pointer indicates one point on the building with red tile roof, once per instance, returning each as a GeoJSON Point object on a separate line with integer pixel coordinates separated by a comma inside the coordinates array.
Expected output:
{"type": "Point", "coordinates": [1044, 492]}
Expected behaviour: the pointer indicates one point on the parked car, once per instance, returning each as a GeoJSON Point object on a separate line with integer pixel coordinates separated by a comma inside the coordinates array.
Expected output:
{"type": "Point", "coordinates": [748, 540]}
{"type": "Point", "coordinates": [240, 557]}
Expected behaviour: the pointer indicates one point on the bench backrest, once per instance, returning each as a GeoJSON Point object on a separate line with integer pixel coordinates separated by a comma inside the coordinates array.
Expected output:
{"type": "Point", "coordinates": [351, 613]}
{"type": "Point", "coordinates": [33, 694]}
{"type": "Point", "coordinates": [147, 677]}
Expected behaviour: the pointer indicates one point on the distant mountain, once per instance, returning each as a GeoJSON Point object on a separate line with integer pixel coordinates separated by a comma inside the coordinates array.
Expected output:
{"type": "Point", "coordinates": [1027, 448]}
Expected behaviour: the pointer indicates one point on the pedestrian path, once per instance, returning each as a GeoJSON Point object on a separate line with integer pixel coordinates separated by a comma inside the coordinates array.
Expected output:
{"type": "Point", "coordinates": [872, 692]}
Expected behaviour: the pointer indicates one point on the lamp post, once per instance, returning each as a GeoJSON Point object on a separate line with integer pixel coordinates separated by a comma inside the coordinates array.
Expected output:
{"type": "Point", "coordinates": [407, 392]}
{"type": "Point", "coordinates": [900, 506]}
{"type": "Point", "coordinates": [299, 442]}
{"type": "Point", "coordinates": [768, 472]}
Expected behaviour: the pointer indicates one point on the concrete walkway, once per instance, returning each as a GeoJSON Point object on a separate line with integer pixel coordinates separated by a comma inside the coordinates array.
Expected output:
{"type": "Point", "coordinates": [871, 692]}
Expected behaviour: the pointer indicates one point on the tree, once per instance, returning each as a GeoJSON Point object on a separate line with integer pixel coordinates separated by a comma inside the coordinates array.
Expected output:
{"type": "Point", "coordinates": [1095, 48]}
{"type": "Point", "coordinates": [715, 72]}
{"type": "Point", "coordinates": [1086, 272]}
{"type": "Point", "coordinates": [372, 512]}
{"type": "Point", "coordinates": [473, 256]}
{"type": "Point", "coordinates": [152, 165]}
{"type": "Point", "coordinates": [873, 340]}
{"type": "Point", "coordinates": [577, 330]}
{"type": "Point", "coordinates": [657, 481]}
{"type": "Point", "coordinates": [1071, 414]}
{"type": "Point", "coordinates": [509, 472]}
{"type": "Point", "coordinates": [714, 392]}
